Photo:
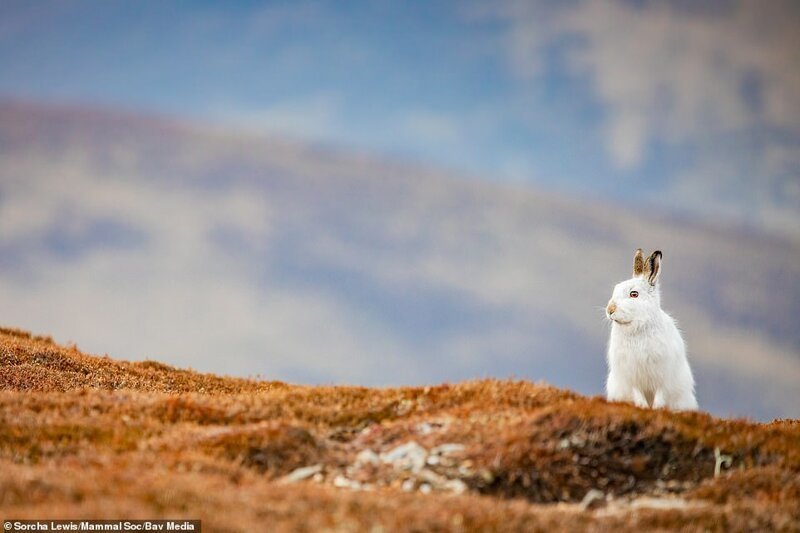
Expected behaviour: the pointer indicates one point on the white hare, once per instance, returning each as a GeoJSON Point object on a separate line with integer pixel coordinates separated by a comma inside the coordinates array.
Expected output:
{"type": "Point", "coordinates": [647, 362]}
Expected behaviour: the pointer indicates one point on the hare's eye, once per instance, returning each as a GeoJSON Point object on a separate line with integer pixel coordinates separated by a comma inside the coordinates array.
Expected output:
{"type": "Point", "coordinates": [634, 294]}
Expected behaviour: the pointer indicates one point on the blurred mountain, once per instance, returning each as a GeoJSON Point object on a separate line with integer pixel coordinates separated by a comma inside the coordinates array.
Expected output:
{"type": "Point", "coordinates": [148, 237]}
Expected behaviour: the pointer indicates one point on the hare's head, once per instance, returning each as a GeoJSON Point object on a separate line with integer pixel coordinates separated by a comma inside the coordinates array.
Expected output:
{"type": "Point", "coordinates": [636, 300]}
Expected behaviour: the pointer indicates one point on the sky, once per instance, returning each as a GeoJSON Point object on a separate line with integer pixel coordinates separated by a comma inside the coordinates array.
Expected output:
{"type": "Point", "coordinates": [404, 192]}
{"type": "Point", "coordinates": [694, 109]}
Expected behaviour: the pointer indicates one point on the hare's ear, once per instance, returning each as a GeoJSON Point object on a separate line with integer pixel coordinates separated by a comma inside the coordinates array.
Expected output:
{"type": "Point", "coordinates": [638, 264]}
{"type": "Point", "coordinates": [652, 267]}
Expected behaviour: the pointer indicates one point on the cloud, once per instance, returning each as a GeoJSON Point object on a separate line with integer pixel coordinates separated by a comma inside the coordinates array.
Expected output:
{"type": "Point", "coordinates": [316, 116]}
{"type": "Point", "coordinates": [429, 126]}
{"type": "Point", "coordinates": [668, 72]}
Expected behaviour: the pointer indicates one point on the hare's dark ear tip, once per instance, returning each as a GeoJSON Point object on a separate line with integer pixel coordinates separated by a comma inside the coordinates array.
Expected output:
{"type": "Point", "coordinates": [652, 267]}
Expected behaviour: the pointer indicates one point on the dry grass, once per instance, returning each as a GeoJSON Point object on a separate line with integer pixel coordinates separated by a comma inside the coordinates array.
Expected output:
{"type": "Point", "coordinates": [83, 436]}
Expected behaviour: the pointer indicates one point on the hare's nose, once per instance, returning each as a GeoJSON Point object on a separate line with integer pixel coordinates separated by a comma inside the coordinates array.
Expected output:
{"type": "Point", "coordinates": [611, 308]}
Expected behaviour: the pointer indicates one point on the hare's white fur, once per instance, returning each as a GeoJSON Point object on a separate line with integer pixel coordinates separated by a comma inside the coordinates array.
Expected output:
{"type": "Point", "coordinates": [646, 354]}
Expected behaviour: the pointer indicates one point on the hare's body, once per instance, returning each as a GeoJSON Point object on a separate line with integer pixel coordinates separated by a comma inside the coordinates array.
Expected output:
{"type": "Point", "coordinates": [649, 367]}
{"type": "Point", "coordinates": [646, 354]}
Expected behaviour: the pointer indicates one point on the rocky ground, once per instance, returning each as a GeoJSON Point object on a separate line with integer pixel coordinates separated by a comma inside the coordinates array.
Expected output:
{"type": "Point", "coordinates": [91, 437]}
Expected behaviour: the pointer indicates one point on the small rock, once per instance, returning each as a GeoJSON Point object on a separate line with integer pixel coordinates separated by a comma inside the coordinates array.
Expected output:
{"type": "Point", "coordinates": [404, 406]}
{"type": "Point", "coordinates": [408, 456]}
{"type": "Point", "coordinates": [455, 485]}
{"type": "Point", "coordinates": [577, 442]}
{"type": "Point", "coordinates": [424, 428]}
{"type": "Point", "coordinates": [302, 473]}
{"type": "Point", "coordinates": [594, 498]}
{"type": "Point", "coordinates": [432, 460]}
{"type": "Point", "coordinates": [425, 488]}
{"type": "Point", "coordinates": [465, 471]}
{"type": "Point", "coordinates": [486, 475]}
{"type": "Point", "coordinates": [431, 477]}
{"type": "Point", "coordinates": [408, 485]}
{"type": "Point", "coordinates": [345, 483]}
{"type": "Point", "coordinates": [367, 457]}
{"type": "Point", "coordinates": [444, 460]}
{"type": "Point", "coordinates": [447, 449]}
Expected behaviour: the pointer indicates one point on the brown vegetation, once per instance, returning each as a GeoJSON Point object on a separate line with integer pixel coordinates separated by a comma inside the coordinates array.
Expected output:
{"type": "Point", "coordinates": [91, 437]}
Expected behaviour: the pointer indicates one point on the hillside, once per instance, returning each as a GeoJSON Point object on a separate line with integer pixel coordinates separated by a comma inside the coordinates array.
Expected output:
{"type": "Point", "coordinates": [219, 241]}
{"type": "Point", "coordinates": [86, 436]}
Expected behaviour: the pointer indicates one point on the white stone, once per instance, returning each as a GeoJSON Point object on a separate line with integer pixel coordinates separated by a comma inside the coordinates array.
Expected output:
{"type": "Point", "coordinates": [589, 499]}
{"type": "Point", "coordinates": [424, 428]}
{"type": "Point", "coordinates": [345, 483]}
{"type": "Point", "coordinates": [367, 457]}
{"type": "Point", "coordinates": [447, 449]}
{"type": "Point", "coordinates": [408, 456]}
{"type": "Point", "coordinates": [302, 473]}
{"type": "Point", "coordinates": [455, 485]}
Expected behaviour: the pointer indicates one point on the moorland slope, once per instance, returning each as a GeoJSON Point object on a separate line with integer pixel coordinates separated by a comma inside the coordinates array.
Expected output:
{"type": "Point", "coordinates": [91, 437]}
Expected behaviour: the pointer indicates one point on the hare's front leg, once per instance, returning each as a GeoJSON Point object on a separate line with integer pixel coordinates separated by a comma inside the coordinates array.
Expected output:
{"type": "Point", "coordinates": [638, 399]}
{"type": "Point", "coordinates": [660, 399]}
{"type": "Point", "coordinates": [615, 392]}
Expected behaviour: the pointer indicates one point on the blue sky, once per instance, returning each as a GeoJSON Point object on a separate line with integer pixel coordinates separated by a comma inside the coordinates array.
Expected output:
{"type": "Point", "coordinates": [418, 80]}
{"type": "Point", "coordinates": [692, 109]}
